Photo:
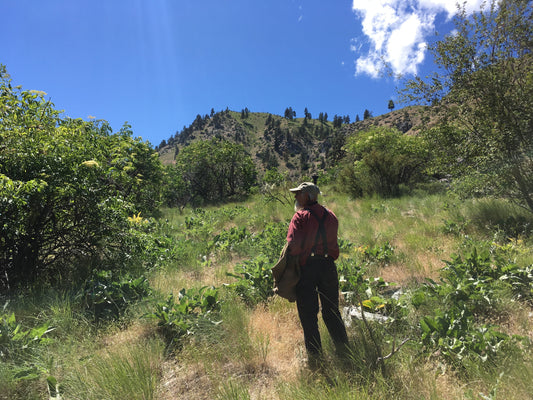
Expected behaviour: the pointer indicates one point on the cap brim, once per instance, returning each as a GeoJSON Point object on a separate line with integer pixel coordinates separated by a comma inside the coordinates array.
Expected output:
{"type": "Point", "coordinates": [295, 190]}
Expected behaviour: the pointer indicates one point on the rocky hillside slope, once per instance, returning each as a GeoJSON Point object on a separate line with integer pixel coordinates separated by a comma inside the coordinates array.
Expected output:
{"type": "Point", "coordinates": [295, 145]}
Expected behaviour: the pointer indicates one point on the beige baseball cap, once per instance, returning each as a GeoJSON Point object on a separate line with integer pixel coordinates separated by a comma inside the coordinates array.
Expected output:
{"type": "Point", "coordinates": [307, 187]}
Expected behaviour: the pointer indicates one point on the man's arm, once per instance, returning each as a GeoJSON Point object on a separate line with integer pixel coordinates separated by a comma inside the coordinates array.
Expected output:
{"type": "Point", "coordinates": [296, 234]}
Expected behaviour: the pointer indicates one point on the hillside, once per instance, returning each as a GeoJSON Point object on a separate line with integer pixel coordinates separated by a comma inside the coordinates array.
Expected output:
{"type": "Point", "coordinates": [297, 145]}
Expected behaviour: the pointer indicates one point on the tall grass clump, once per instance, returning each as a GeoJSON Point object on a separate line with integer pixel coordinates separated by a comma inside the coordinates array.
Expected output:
{"type": "Point", "coordinates": [231, 390]}
{"type": "Point", "coordinates": [128, 372]}
{"type": "Point", "coordinates": [506, 219]}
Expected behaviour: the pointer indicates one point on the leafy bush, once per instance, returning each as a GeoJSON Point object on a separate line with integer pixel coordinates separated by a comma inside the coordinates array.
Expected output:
{"type": "Point", "coordinates": [378, 254]}
{"type": "Point", "coordinates": [271, 239]}
{"type": "Point", "coordinates": [453, 313]}
{"type": "Point", "coordinates": [254, 280]}
{"type": "Point", "coordinates": [227, 239]}
{"type": "Point", "coordinates": [370, 292]}
{"type": "Point", "coordinates": [212, 170]}
{"type": "Point", "coordinates": [66, 188]}
{"type": "Point", "coordinates": [383, 159]}
{"type": "Point", "coordinates": [467, 296]}
{"type": "Point", "coordinates": [455, 335]}
{"type": "Point", "coordinates": [275, 187]}
{"type": "Point", "coordinates": [193, 308]}
{"type": "Point", "coordinates": [107, 299]}
{"type": "Point", "coordinates": [142, 246]}
{"type": "Point", "coordinates": [456, 226]}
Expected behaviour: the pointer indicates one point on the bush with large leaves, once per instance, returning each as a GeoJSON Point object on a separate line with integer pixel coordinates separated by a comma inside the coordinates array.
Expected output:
{"type": "Point", "coordinates": [67, 187]}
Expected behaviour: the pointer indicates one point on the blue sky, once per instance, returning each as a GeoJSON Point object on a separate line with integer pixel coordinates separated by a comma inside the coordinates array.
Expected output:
{"type": "Point", "coordinates": [159, 63]}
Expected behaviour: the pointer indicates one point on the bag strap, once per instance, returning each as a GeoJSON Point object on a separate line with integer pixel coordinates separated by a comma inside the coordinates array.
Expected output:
{"type": "Point", "coordinates": [321, 231]}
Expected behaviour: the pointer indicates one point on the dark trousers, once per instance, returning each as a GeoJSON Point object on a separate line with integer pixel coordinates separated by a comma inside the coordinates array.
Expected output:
{"type": "Point", "coordinates": [319, 279]}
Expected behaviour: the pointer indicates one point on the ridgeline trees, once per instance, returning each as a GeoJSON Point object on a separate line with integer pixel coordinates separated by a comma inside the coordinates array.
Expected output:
{"type": "Point", "coordinates": [290, 113]}
{"type": "Point", "coordinates": [482, 94]}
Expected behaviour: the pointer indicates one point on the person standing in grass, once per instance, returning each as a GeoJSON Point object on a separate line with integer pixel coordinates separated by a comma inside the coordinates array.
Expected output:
{"type": "Point", "coordinates": [312, 236]}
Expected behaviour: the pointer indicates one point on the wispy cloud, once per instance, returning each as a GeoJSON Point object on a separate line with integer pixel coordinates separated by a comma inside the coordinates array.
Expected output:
{"type": "Point", "coordinates": [396, 32]}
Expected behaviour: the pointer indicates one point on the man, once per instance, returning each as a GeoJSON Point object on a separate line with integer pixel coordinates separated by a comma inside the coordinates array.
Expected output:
{"type": "Point", "coordinates": [312, 236]}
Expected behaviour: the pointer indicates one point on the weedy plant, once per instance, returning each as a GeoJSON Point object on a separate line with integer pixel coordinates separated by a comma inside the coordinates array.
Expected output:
{"type": "Point", "coordinates": [107, 297]}
{"type": "Point", "coordinates": [17, 341]}
{"type": "Point", "coordinates": [179, 317]}
{"type": "Point", "coordinates": [19, 353]}
{"type": "Point", "coordinates": [461, 304]}
{"type": "Point", "coordinates": [254, 280]}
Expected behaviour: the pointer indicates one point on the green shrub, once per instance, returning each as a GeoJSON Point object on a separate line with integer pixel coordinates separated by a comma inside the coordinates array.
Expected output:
{"type": "Point", "coordinates": [378, 254]}
{"type": "Point", "coordinates": [254, 280]}
{"type": "Point", "coordinates": [383, 160]}
{"type": "Point", "coordinates": [270, 241]}
{"type": "Point", "coordinates": [373, 294]}
{"type": "Point", "coordinates": [212, 170]}
{"type": "Point", "coordinates": [107, 297]}
{"type": "Point", "coordinates": [187, 314]}
{"type": "Point", "coordinates": [227, 239]}
{"type": "Point", "coordinates": [456, 336]}
{"type": "Point", "coordinates": [467, 296]}
{"type": "Point", "coordinates": [66, 188]}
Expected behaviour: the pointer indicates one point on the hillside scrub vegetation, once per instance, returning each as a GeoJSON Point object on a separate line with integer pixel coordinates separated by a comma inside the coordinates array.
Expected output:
{"type": "Point", "coordinates": [455, 295]}
{"type": "Point", "coordinates": [67, 189]}
{"type": "Point", "coordinates": [382, 160]}
{"type": "Point", "coordinates": [481, 97]}
{"type": "Point", "coordinates": [210, 170]}
{"type": "Point", "coordinates": [127, 273]}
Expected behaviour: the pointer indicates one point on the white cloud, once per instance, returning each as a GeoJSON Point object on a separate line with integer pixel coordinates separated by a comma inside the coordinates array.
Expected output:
{"type": "Point", "coordinates": [396, 31]}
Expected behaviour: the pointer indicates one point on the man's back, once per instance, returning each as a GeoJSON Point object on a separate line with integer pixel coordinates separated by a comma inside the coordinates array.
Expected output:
{"type": "Point", "coordinates": [303, 229]}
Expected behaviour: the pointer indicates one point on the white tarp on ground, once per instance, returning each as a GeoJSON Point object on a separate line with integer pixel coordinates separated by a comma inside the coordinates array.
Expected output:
{"type": "Point", "coordinates": [351, 312]}
{"type": "Point", "coordinates": [348, 313]}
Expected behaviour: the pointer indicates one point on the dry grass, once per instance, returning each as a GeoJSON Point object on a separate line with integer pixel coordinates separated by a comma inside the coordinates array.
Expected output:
{"type": "Point", "coordinates": [272, 355]}
{"type": "Point", "coordinates": [278, 340]}
{"type": "Point", "coordinates": [172, 281]}
{"type": "Point", "coordinates": [184, 382]}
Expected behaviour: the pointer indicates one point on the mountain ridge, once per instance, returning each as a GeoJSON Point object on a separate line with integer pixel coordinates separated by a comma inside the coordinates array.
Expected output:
{"type": "Point", "coordinates": [292, 145]}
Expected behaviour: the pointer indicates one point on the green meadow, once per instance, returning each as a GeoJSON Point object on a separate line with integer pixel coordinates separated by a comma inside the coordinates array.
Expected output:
{"type": "Point", "coordinates": [205, 325]}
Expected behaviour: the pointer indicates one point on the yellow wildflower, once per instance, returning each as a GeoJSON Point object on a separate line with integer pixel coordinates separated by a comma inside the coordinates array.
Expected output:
{"type": "Point", "coordinates": [90, 164]}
